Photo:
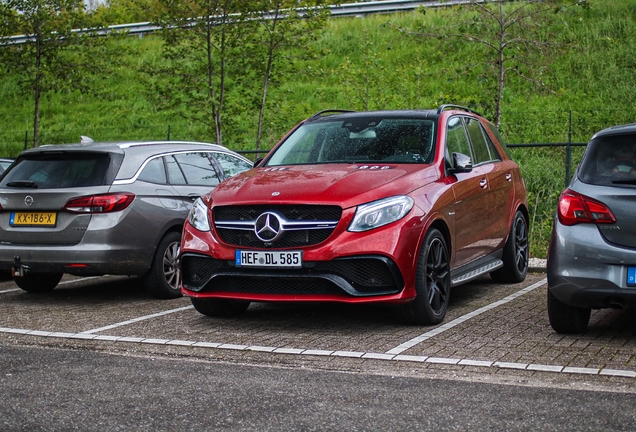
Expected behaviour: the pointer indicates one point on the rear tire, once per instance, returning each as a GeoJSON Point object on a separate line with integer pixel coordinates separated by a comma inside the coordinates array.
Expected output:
{"type": "Point", "coordinates": [432, 283]}
{"type": "Point", "coordinates": [515, 253]}
{"type": "Point", "coordinates": [163, 280]}
{"type": "Point", "coordinates": [567, 319]}
{"type": "Point", "coordinates": [214, 307]}
{"type": "Point", "coordinates": [38, 282]}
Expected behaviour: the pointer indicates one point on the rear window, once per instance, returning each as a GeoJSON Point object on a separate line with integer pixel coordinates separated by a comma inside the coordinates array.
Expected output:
{"type": "Point", "coordinates": [60, 170]}
{"type": "Point", "coordinates": [610, 160]}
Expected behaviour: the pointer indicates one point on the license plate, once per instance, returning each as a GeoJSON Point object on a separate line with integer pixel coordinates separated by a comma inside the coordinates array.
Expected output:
{"type": "Point", "coordinates": [33, 219]}
{"type": "Point", "coordinates": [631, 276]}
{"type": "Point", "coordinates": [270, 259]}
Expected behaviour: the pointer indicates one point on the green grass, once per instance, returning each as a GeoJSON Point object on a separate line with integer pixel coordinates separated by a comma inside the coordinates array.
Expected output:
{"type": "Point", "coordinates": [366, 63]}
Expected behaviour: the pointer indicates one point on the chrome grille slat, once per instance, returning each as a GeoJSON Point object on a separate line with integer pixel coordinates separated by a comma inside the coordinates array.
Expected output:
{"type": "Point", "coordinates": [302, 225]}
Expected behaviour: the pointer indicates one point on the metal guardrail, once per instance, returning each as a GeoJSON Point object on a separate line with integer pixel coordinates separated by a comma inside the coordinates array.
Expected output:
{"type": "Point", "coordinates": [345, 10]}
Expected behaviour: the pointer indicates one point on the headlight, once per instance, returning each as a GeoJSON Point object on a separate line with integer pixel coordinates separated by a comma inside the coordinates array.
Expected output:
{"type": "Point", "coordinates": [198, 216]}
{"type": "Point", "coordinates": [378, 213]}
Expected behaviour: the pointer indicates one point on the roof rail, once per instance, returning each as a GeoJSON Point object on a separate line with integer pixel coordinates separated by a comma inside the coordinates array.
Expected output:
{"type": "Point", "coordinates": [459, 107]}
{"type": "Point", "coordinates": [327, 111]}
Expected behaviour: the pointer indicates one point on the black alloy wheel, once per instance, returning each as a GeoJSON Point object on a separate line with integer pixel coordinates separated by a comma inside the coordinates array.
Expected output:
{"type": "Point", "coordinates": [432, 283]}
{"type": "Point", "coordinates": [515, 253]}
{"type": "Point", "coordinates": [163, 280]}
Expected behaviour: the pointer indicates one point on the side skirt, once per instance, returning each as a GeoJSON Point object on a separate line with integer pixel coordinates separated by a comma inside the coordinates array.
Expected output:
{"type": "Point", "coordinates": [477, 268]}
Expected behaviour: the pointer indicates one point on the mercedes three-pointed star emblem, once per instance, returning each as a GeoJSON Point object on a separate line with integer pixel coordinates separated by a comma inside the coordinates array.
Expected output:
{"type": "Point", "coordinates": [268, 227]}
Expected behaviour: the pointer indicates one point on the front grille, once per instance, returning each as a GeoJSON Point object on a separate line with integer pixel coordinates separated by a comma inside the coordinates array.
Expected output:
{"type": "Point", "coordinates": [288, 240]}
{"type": "Point", "coordinates": [291, 212]}
{"type": "Point", "coordinates": [357, 276]}
{"type": "Point", "coordinates": [244, 217]}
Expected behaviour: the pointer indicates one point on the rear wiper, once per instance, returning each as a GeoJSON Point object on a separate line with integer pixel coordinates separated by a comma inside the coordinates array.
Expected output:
{"type": "Point", "coordinates": [630, 182]}
{"type": "Point", "coordinates": [23, 183]}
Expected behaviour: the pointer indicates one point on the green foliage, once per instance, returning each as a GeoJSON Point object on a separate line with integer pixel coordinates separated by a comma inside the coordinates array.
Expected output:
{"type": "Point", "coordinates": [54, 58]}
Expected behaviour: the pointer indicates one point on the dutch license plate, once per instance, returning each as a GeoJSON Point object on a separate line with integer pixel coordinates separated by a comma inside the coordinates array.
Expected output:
{"type": "Point", "coordinates": [272, 259]}
{"type": "Point", "coordinates": [631, 276]}
{"type": "Point", "coordinates": [33, 219]}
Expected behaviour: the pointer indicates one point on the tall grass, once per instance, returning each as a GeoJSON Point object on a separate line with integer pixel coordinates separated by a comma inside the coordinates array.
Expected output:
{"type": "Point", "coordinates": [367, 63]}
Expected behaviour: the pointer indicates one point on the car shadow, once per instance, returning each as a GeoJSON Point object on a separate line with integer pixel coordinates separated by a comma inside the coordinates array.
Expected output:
{"type": "Point", "coordinates": [99, 289]}
{"type": "Point", "coordinates": [320, 315]}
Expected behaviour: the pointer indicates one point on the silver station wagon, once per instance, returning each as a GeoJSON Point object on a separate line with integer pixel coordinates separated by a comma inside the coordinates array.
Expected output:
{"type": "Point", "coordinates": [105, 208]}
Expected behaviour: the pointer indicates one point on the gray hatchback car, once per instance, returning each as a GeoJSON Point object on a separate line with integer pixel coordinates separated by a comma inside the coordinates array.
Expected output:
{"type": "Point", "coordinates": [592, 253]}
{"type": "Point", "coordinates": [105, 208]}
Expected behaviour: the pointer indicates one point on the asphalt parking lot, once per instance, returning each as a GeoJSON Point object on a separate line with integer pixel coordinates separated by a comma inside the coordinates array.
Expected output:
{"type": "Point", "coordinates": [491, 331]}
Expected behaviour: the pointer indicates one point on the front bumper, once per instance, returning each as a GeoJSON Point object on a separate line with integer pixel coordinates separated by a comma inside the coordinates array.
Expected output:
{"type": "Point", "coordinates": [352, 278]}
{"type": "Point", "coordinates": [584, 270]}
{"type": "Point", "coordinates": [373, 266]}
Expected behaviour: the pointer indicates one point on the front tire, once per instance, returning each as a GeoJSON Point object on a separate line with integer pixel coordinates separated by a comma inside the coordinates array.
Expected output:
{"type": "Point", "coordinates": [214, 307]}
{"type": "Point", "coordinates": [163, 280]}
{"type": "Point", "coordinates": [432, 283]}
{"type": "Point", "coordinates": [567, 319]}
{"type": "Point", "coordinates": [515, 253]}
{"type": "Point", "coordinates": [38, 282]}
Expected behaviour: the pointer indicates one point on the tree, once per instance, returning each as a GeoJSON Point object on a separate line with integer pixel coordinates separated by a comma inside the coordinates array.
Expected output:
{"type": "Point", "coordinates": [202, 41]}
{"type": "Point", "coordinates": [283, 24]}
{"type": "Point", "coordinates": [512, 36]}
{"type": "Point", "coordinates": [49, 59]}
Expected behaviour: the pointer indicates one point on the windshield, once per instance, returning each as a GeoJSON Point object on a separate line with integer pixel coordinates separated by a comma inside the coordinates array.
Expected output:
{"type": "Point", "coordinates": [364, 141]}
{"type": "Point", "coordinates": [610, 160]}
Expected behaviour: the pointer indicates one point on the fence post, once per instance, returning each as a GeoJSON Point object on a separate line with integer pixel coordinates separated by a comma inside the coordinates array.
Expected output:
{"type": "Point", "coordinates": [26, 139]}
{"type": "Point", "coordinates": [168, 133]}
{"type": "Point", "coordinates": [568, 153]}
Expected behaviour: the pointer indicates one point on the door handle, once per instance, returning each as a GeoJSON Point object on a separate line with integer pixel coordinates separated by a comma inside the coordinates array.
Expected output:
{"type": "Point", "coordinates": [509, 177]}
{"type": "Point", "coordinates": [483, 183]}
{"type": "Point", "coordinates": [193, 197]}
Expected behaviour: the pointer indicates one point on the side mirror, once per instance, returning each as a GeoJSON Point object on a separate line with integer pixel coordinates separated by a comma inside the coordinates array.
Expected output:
{"type": "Point", "coordinates": [258, 161]}
{"type": "Point", "coordinates": [461, 164]}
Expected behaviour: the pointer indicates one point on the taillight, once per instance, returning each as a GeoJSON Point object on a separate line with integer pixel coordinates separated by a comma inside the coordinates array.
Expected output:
{"type": "Point", "coordinates": [106, 203]}
{"type": "Point", "coordinates": [574, 208]}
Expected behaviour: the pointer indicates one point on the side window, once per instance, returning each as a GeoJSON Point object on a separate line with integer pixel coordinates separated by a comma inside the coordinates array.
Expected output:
{"type": "Point", "coordinates": [175, 175]}
{"type": "Point", "coordinates": [198, 168]}
{"type": "Point", "coordinates": [494, 154]}
{"type": "Point", "coordinates": [154, 172]}
{"type": "Point", "coordinates": [480, 147]}
{"type": "Point", "coordinates": [456, 140]}
{"type": "Point", "coordinates": [231, 164]}
{"type": "Point", "coordinates": [497, 135]}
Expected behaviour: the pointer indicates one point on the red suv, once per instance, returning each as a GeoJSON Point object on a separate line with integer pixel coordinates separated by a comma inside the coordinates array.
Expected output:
{"type": "Point", "coordinates": [394, 207]}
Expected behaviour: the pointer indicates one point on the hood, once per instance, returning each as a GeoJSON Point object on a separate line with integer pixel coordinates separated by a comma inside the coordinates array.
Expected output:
{"type": "Point", "coordinates": [345, 185]}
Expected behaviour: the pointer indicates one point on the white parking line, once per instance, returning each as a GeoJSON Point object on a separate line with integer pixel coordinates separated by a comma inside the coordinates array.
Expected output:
{"type": "Point", "coordinates": [314, 352]}
{"type": "Point", "coordinates": [391, 355]}
{"type": "Point", "coordinates": [10, 290]}
{"type": "Point", "coordinates": [61, 283]}
{"type": "Point", "coordinates": [421, 338]}
{"type": "Point", "coordinates": [135, 320]}
{"type": "Point", "coordinates": [78, 280]}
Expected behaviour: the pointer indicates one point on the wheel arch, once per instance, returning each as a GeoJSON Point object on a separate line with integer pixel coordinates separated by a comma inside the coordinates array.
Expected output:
{"type": "Point", "coordinates": [442, 227]}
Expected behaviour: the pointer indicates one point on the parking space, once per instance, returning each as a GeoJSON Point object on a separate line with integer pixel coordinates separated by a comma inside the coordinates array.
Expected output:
{"type": "Point", "coordinates": [489, 326]}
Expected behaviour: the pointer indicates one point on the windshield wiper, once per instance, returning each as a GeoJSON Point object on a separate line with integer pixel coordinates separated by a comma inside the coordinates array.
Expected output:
{"type": "Point", "coordinates": [23, 183]}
